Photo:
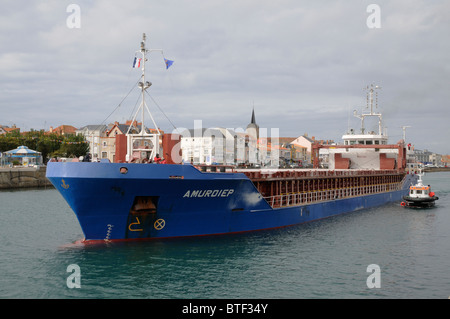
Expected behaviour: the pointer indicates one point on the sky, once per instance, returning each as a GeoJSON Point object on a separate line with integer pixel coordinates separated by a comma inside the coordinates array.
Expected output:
{"type": "Point", "coordinates": [302, 65]}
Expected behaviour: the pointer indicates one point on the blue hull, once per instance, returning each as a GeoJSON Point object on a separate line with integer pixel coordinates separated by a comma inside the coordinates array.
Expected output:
{"type": "Point", "coordinates": [186, 201]}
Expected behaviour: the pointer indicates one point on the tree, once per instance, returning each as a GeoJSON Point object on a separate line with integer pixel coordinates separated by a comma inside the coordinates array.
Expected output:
{"type": "Point", "coordinates": [8, 142]}
{"type": "Point", "coordinates": [48, 144]}
{"type": "Point", "coordinates": [72, 146]}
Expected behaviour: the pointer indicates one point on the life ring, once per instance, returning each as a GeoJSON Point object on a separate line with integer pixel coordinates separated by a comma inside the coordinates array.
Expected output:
{"type": "Point", "coordinates": [403, 204]}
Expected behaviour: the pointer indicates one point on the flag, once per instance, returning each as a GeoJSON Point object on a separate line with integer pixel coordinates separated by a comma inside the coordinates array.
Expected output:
{"type": "Point", "coordinates": [168, 63]}
{"type": "Point", "coordinates": [136, 63]}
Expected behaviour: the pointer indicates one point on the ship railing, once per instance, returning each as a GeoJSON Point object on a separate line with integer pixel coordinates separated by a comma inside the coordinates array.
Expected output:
{"type": "Point", "coordinates": [302, 198]}
{"type": "Point", "coordinates": [310, 173]}
{"type": "Point", "coordinates": [402, 183]}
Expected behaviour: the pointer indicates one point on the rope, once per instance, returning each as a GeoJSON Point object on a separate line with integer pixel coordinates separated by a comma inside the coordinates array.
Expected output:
{"type": "Point", "coordinates": [120, 104]}
{"type": "Point", "coordinates": [162, 111]}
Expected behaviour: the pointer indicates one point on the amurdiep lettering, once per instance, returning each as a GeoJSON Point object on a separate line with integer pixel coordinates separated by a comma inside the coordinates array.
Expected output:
{"type": "Point", "coordinates": [209, 193]}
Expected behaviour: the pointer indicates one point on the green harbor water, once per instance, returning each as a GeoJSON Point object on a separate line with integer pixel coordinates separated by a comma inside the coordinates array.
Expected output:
{"type": "Point", "coordinates": [323, 259]}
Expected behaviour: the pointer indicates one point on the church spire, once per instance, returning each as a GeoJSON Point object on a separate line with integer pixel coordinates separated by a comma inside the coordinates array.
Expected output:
{"type": "Point", "coordinates": [252, 127]}
{"type": "Point", "coordinates": [253, 121]}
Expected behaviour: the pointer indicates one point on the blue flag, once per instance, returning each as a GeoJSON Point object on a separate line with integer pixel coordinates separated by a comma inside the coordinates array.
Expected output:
{"type": "Point", "coordinates": [168, 63]}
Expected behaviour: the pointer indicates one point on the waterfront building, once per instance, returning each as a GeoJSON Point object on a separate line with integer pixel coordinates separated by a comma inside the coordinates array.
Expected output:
{"type": "Point", "coordinates": [445, 160]}
{"type": "Point", "coordinates": [221, 146]}
{"type": "Point", "coordinates": [63, 130]}
{"type": "Point", "coordinates": [298, 154]}
{"type": "Point", "coordinates": [104, 140]}
{"type": "Point", "coordinates": [306, 142]}
{"type": "Point", "coordinates": [213, 146]}
{"type": "Point", "coordinates": [6, 129]}
{"type": "Point", "coordinates": [92, 134]}
{"type": "Point", "coordinates": [237, 147]}
{"type": "Point", "coordinates": [423, 156]}
{"type": "Point", "coordinates": [436, 159]}
{"type": "Point", "coordinates": [109, 138]}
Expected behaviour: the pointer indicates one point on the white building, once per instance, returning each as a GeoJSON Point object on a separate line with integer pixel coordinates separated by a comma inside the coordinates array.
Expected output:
{"type": "Point", "coordinates": [93, 133]}
{"type": "Point", "coordinates": [212, 146]}
{"type": "Point", "coordinates": [305, 142]}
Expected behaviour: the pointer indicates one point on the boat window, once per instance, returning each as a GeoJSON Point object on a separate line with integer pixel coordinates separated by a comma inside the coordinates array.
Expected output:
{"type": "Point", "coordinates": [418, 191]}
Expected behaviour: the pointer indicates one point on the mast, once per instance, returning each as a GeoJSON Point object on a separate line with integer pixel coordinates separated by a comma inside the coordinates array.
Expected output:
{"type": "Point", "coordinates": [368, 137]}
{"type": "Point", "coordinates": [142, 144]}
{"type": "Point", "coordinates": [370, 103]}
{"type": "Point", "coordinates": [420, 174]}
{"type": "Point", "coordinates": [141, 84]}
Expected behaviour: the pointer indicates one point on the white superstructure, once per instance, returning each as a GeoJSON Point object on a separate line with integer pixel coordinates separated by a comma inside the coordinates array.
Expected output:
{"type": "Point", "coordinates": [365, 149]}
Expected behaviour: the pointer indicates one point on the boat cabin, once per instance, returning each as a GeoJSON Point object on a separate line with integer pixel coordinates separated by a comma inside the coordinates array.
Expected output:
{"type": "Point", "coordinates": [419, 191]}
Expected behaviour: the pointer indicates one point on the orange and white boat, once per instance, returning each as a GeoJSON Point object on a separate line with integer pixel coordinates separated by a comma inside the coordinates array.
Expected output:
{"type": "Point", "coordinates": [420, 195]}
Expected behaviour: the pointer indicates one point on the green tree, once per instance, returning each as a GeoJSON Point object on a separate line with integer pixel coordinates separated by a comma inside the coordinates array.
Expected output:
{"type": "Point", "coordinates": [8, 142]}
{"type": "Point", "coordinates": [48, 144]}
{"type": "Point", "coordinates": [73, 146]}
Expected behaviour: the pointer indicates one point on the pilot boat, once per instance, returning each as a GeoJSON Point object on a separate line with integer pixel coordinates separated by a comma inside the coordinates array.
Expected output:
{"type": "Point", "coordinates": [419, 195]}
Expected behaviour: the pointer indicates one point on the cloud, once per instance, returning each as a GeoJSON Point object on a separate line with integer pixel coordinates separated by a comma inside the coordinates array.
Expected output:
{"type": "Point", "coordinates": [302, 64]}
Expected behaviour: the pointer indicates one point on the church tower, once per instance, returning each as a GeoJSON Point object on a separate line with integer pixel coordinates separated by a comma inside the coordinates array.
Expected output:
{"type": "Point", "coordinates": [253, 128]}
{"type": "Point", "coordinates": [252, 132]}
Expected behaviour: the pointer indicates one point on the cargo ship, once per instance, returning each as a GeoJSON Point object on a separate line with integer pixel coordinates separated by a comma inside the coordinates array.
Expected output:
{"type": "Point", "coordinates": [133, 200]}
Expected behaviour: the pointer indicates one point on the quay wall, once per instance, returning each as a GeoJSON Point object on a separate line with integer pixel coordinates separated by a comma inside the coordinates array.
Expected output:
{"type": "Point", "coordinates": [23, 177]}
{"type": "Point", "coordinates": [436, 169]}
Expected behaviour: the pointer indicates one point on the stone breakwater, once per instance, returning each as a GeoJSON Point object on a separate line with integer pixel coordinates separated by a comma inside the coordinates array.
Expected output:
{"type": "Point", "coordinates": [23, 177]}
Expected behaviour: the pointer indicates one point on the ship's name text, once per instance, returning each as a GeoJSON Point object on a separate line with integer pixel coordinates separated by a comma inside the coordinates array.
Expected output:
{"type": "Point", "coordinates": [209, 193]}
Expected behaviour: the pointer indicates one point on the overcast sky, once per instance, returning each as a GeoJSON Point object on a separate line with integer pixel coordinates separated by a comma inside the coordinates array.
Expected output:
{"type": "Point", "coordinates": [301, 64]}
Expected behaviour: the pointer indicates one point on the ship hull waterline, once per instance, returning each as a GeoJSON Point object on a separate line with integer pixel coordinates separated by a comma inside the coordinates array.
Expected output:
{"type": "Point", "coordinates": [183, 201]}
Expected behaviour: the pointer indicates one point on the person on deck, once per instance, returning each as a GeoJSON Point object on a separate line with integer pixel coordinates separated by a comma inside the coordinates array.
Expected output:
{"type": "Point", "coordinates": [157, 159]}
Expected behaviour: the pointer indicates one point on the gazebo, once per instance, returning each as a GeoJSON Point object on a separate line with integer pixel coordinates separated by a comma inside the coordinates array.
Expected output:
{"type": "Point", "coordinates": [24, 155]}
